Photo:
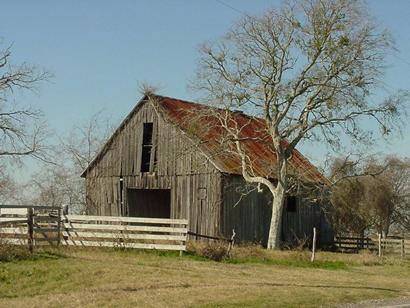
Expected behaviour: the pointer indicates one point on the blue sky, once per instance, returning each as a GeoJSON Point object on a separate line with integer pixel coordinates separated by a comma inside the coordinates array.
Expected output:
{"type": "Point", "coordinates": [99, 51]}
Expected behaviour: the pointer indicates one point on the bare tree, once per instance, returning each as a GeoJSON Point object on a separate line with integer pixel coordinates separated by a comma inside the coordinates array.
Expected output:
{"type": "Point", "coordinates": [21, 129]}
{"type": "Point", "coordinates": [399, 179]}
{"type": "Point", "coordinates": [7, 186]}
{"type": "Point", "coordinates": [389, 193]}
{"type": "Point", "coordinates": [60, 183]}
{"type": "Point", "coordinates": [84, 141]}
{"type": "Point", "coordinates": [373, 196]}
{"type": "Point", "coordinates": [305, 70]}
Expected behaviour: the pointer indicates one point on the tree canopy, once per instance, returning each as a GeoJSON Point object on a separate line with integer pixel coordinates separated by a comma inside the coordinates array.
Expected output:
{"type": "Point", "coordinates": [307, 69]}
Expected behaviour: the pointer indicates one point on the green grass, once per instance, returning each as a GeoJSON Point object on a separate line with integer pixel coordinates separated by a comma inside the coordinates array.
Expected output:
{"type": "Point", "coordinates": [128, 278]}
{"type": "Point", "coordinates": [331, 265]}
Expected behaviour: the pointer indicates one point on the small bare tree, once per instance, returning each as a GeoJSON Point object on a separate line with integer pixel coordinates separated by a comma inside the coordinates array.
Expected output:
{"type": "Point", "coordinates": [305, 71]}
{"type": "Point", "coordinates": [60, 183]}
{"type": "Point", "coordinates": [7, 186]}
{"type": "Point", "coordinates": [84, 141]}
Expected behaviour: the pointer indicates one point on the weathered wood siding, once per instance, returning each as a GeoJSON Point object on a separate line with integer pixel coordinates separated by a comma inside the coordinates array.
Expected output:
{"type": "Point", "coordinates": [194, 182]}
{"type": "Point", "coordinates": [298, 225]}
{"type": "Point", "coordinates": [250, 215]}
{"type": "Point", "coordinates": [175, 154]}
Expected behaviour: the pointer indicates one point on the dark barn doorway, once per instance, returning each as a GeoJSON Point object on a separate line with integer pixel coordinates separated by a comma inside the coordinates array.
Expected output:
{"type": "Point", "coordinates": [155, 203]}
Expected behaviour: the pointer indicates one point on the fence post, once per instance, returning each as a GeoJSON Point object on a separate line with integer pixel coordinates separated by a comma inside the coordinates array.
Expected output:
{"type": "Point", "coordinates": [65, 209]}
{"type": "Point", "coordinates": [30, 222]}
{"type": "Point", "coordinates": [59, 227]}
{"type": "Point", "coordinates": [313, 245]}
{"type": "Point", "coordinates": [181, 252]}
{"type": "Point", "coordinates": [232, 241]}
{"type": "Point", "coordinates": [402, 248]}
{"type": "Point", "coordinates": [380, 244]}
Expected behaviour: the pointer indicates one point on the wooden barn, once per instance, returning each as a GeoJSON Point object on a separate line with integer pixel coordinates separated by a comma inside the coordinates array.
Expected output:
{"type": "Point", "coordinates": [158, 164]}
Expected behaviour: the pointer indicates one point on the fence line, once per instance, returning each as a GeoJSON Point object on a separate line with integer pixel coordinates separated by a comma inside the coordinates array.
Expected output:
{"type": "Point", "coordinates": [126, 232]}
{"type": "Point", "coordinates": [44, 225]}
{"type": "Point", "coordinates": [386, 245]}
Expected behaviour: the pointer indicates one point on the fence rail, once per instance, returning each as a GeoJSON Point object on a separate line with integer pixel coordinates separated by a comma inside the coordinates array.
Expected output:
{"type": "Point", "coordinates": [127, 232]}
{"type": "Point", "coordinates": [348, 243]}
{"type": "Point", "coordinates": [30, 225]}
{"type": "Point", "coordinates": [382, 245]}
{"type": "Point", "coordinates": [46, 226]}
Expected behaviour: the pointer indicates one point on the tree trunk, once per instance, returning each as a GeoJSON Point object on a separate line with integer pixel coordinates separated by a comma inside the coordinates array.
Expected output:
{"type": "Point", "coordinates": [386, 226]}
{"type": "Point", "coordinates": [275, 231]}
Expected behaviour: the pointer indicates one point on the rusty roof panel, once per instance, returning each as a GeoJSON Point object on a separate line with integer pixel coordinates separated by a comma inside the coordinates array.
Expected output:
{"type": "Point", "coordinates": [256, 145]}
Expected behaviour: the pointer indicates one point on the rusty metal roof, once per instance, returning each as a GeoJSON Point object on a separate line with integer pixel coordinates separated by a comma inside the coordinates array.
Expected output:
{"type": "Point", "coordinates": [204, 127]}
{"type": "Point", "coordinates": [201, 122]}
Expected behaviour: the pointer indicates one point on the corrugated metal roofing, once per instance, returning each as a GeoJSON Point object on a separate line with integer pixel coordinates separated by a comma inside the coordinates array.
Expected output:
{"type": "Point", "coordinates": [253, 132]}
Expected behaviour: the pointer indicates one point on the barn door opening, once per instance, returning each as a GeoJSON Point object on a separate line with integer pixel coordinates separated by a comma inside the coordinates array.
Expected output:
{"type": "Point", "coordinates": [155, 203]}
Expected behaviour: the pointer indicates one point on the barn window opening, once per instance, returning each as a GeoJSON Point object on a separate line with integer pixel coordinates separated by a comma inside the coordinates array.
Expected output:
{"type": "Point", "coordinates": [122, 196]}
{"type": "Point", "coordinates": [146, 147]}
{"type": "Point", "coordinates": [291, 204]}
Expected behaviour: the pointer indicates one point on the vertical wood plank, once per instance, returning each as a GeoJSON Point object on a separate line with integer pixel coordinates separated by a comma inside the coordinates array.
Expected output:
{"type": "Point", "coordinates": [380, 244]}
{"type": "Point", "coordinates": [30, 238]}
{"type": "Point", "coordinates": [402, 250]}
{"type": "Point", "coordinates": [59, 227]}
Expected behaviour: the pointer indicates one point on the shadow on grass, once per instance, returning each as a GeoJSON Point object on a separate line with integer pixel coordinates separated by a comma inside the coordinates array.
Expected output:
{"type": "Point", "coordinates": [259, 284]}
{"type": "Point", "coordinates": [49, 254]}
{"type": "Point", "coordinates": [331, 265]}
{"type": "Point", "coordinates": [13, 254]}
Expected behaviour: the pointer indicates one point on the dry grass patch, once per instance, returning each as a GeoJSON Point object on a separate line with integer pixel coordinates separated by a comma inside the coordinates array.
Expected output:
{"type": "Point", "coordinates": [129, 278]}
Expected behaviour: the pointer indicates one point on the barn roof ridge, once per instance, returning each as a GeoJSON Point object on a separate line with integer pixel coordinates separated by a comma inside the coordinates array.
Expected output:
{"type": "Point", "coordinates": [207, 106]}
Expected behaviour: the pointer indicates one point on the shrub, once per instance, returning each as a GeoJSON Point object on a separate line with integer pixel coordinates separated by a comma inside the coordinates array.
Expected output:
{"type": "Point", "coordinates": [10, 252]}
{"type": "Point", "coordinates": [214, 250]}
{"type": "Point", "coordinates": [249, 251]}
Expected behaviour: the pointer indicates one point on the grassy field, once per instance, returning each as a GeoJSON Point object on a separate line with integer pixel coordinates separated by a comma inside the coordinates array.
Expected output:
{"type": "Point", "coordinates": [108, 277]}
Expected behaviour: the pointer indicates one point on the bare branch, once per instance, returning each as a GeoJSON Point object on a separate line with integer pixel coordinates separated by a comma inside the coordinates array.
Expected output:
{"type": "Point", "coordinates": [306, 70]}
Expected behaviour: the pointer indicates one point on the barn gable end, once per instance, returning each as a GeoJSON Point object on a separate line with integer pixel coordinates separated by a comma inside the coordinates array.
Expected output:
{"type": "Point", "coordinates": [115, 183]}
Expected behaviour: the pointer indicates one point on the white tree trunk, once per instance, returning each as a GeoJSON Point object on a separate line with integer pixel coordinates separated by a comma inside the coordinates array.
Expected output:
{"type": "Point", "coordinates": [279, 194]}
{"type": "Point", "coordinates": [275, 231]}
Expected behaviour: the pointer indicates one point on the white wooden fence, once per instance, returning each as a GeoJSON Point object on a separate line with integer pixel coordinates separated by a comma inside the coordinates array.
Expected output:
{"type": "Point", "coordinates": [13, 228]}
{"type": "Point", "coordinates": [127, 232]}
{"type": "Point", "coordinates": [46, 226]}
{"type": "Point", "coordinates": [394, 246]}
{"type": "Point", "coordinates": [30, 225]}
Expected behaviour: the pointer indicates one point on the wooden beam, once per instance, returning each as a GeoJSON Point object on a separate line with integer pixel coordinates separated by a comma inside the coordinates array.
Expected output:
{"type": "Point", "coordinates": [124, 236]}
{"type": "Point", "coordinates": [71, 226]}
{"type": "Point", "coordinates": [126, 219]}
{"type": "Point", "coordinates": [123, 245]}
